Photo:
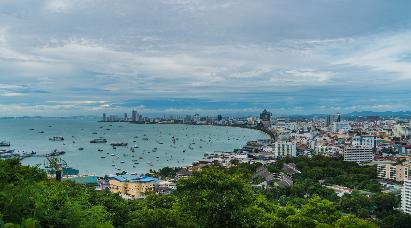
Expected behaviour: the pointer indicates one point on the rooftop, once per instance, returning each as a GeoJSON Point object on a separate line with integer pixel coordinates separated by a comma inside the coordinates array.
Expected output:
{"type": "Point", "coordinates": [134, 178]}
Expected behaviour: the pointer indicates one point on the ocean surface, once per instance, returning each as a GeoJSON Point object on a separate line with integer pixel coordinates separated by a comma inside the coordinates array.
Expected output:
{"type": "Point", "coordinates": [189, 144]}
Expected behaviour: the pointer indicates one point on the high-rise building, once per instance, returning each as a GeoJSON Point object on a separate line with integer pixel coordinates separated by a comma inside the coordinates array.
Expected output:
{"type": "Point", "coordinates": [406, 196]}
{"type": "Point", "coordinates": [265, 118]}
{"type": "Point", "coordinates": [330, 119]}
{"type": "Point", "coordinates": [365, 140]}
{"type": "Point", "coordinates": [125, 117]}
{"type": "Point", "coordinates": [134, 115]}
{"type": "Point", "coordinates": [104, 117]}
{"type": "Point", "coordinates": [219, 117]}
{"type": "Point", "coordinates": [358, 154]}
{"type": "Point", "coordinates": [285, 149]}
{"type": "Point", "coordinates": [394, 172]}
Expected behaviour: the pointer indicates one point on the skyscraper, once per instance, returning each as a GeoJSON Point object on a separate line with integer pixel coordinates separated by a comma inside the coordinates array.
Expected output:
{"type": "Point", "coordinates": [104, 117]}
{"type": "Point", "coordinates": [330, 119]}
{"type": "Point", "coordinates": [134, 116]}
{"type": "Point", "coordinates": [265, 118]}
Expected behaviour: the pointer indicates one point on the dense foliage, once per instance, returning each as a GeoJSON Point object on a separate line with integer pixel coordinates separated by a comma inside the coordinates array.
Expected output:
{"type": "Point", "coordinates": [214, 197]}
{"type": "Point", "coordinates": [367, 201]}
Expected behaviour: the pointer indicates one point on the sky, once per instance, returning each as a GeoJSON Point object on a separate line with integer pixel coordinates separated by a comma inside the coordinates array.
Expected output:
{"type": "Point", "coordinates": [86, 57]}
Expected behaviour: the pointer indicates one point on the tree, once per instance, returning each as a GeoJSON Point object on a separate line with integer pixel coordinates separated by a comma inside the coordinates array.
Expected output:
{"type": "Point", "coordinates": [323, 211]}
{"type": "Point", "coordinates": [353, 222]}
{"type": "Point", "coordinates": [215, 198]}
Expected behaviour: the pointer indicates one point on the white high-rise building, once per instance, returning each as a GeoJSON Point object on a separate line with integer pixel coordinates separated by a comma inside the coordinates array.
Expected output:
{"type": "Point", "coordinates": [406, 196]}
{"type": "Point", "coordinates": [358, 154]}
{"type": "Point", "coordinates": [285, 149]}
{"type": "Point", "coordinates": [365, 140]}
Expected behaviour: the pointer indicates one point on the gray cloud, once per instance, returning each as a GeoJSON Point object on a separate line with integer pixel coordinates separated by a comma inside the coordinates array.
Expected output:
{"type": "Point", "coordinates": [234, 50]}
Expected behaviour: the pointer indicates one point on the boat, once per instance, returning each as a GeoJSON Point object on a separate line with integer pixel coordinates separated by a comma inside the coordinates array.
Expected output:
{"type": "Point", "coordinates": [112, 155]}
{"type": "Point", "coordinates": [100, 150]}
{"type": "Point", "coordinates": [99, 140]}
{"type": "Point", "coordinates": [4, 143]}
{"type": "Point", "coordinates": [56, 153]}
{"type": "Point", "coordinates": [145, 139]}
{"type": "Point", "coordinates": [41, 132]}
{"type": "Point", "coordinates": [94, 133]}
{"type": "Point", "coordinates": [56, 138]}
{"type": "Point", "coordinates": [119, 144]}
{"type": "Point", "coordinates": [103, 157]}
{"type": "Point", "coordinates": [122, 161]}
{"type": "Point", "coordinates": [31, 129]}
{"type": "Point", "coordinates": [81, 148]}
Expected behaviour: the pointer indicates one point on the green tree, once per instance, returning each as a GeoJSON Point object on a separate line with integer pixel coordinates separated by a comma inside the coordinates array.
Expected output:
{"type": "Point", "coordinates": [215, 198]}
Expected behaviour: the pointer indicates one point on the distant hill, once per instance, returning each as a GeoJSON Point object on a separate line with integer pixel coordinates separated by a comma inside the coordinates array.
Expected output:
{"type": "Point", "coordinates": [382, 114]}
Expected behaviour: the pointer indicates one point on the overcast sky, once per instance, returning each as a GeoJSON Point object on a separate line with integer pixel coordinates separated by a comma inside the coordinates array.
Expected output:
{"type": "Point", "coordinates": [69, 57]}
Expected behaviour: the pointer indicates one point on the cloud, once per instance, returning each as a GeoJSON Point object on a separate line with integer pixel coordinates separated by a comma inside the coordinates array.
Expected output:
{"type": "Point", "coordinates": [242, 55]}
{"type": "Point", "coordinates": [382, 53]}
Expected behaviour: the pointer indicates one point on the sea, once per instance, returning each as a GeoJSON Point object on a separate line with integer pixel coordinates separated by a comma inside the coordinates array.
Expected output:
{"type": "Point", "coordinates": [149, 146]}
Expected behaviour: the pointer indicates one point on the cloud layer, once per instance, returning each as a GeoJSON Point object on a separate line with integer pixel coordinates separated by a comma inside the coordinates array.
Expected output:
{"type": "Point", "coordinates": [60, 57]}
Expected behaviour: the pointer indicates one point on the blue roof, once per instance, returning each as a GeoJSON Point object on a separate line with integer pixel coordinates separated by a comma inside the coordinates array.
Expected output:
{"type": "Point", "coordinates": [134, 178]}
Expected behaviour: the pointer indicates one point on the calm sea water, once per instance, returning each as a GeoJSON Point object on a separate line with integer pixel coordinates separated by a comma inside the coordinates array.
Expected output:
{"type": "Point", "coordinates": [191, 143]}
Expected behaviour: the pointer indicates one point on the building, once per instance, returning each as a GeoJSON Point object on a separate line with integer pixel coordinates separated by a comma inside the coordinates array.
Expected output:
{"type": "Point", "coordinates": [131, 185]}
{"type": "Point", "coordinates": [265, 119]}
{"type": "Point", "coordinates": [219, 117]}
{"type": "Point", "coordinates": [104, 117]}
{"type": "Point", "coordinates": [134, 115]}
{"type": "Point", "coordinates": [402, 131]}
{"type": "Point", "coordinates": [125, 117]}
{"type": "Point", "coordinates": [341, 127]}
{"type": "Point", "coordinates": [358, 154]}
{"type": "Point", "coordinates": [285, 149]}
{"type": "Point", "coordinates": [406, 197]}
{"type": "Point", "coordinates": [394, 172]}
{"type": "Point", "coordinates": [365, 140]}
{"type": "Point", "coordinates": [330, 119]}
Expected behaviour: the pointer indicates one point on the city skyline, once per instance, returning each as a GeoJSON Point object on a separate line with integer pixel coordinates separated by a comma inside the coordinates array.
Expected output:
{"type": "Point", "coordinates": [63, 58]}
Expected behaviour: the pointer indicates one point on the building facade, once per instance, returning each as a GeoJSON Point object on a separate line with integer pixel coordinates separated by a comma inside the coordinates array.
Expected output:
{"type": "Point", "coordinates": [131, 185]}
{"type": "Point", "coordinates": [285, 149]}
{"type": "Point", "coordinates": [406, 197]}
{"type": "Point", "coordinates": [358, 154]}
{"type": "Point", "coordinates": [265, 118]}
{"type": "Point", "coordinates": [394, 172]}
{"type": "Point", "coordinates": [365, 140]}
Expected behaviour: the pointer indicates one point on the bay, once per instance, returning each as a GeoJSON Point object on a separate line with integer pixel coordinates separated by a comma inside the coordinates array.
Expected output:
{"type": "Point", "coordinates": [154, 144]}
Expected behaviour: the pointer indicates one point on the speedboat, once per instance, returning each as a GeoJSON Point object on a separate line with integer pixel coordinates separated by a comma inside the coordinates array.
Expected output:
{"type": "Point", "coordinates": [56, 138]}
{"type": "Point", "coordinates": [99, 140]}
{"type": "Point", "coordinates": [119, 144]}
